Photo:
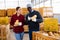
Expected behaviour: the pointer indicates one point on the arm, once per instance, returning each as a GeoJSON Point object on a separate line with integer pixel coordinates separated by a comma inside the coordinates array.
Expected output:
{"type": "Point", "coordinates": [26, 19]}
{"type": "Point", "coordinates": [39, 18]}
{"type": "Point", "coordinates": [23, 20]}
{"type": "Point", "coordinates": [11, 22]}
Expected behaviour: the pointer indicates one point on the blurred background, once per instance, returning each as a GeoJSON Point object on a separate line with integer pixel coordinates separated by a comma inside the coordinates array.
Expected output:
{"type": "Point", "coordinates": [47, 9]}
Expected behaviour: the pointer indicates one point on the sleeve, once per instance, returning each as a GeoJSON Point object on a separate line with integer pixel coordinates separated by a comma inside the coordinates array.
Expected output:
{"type": "Point", "coordinates": [26, 19]}
{"type": "Point", "coordinates": [39, 18]}
{"type": "Point", "coordinates": [12, 21]}
{"type": "Point", "coordinates": [23, 20]}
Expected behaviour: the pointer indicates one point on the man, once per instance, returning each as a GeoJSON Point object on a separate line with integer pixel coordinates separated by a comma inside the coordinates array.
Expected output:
{"type": "Point", "coordinates": [17, 22]}
{"type": "Point", "coordinates": [33, 18]}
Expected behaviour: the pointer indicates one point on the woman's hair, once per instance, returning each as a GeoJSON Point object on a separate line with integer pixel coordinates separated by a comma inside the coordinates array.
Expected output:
{"type": "Point", "coordinates": [17, 8]}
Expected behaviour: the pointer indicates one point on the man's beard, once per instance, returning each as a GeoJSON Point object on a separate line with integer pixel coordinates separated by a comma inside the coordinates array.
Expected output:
{"type": "Point", "coordinates": [30, 11]}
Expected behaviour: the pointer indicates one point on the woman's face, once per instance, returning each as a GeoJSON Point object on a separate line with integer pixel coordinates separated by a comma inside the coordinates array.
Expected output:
{"type": "Point", "coordinates": [19, 11]}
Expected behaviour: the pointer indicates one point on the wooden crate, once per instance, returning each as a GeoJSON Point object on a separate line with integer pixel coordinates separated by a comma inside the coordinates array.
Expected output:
{"type": "Point", "coordinates": [41, 26]}
{"type": "Point", "coordinates": [24, 11]}
{"type": "Point", "coordinates": [2, 13]}
{"type": "Point", "coordinates": [38, 9]}
{"type": "Point", "coordinates": [39, 36]}
{"type": "Point", "coordinates": [10, 12]}
{"type": "Point", "coordinates": [4, 32]}
{"type": "Point", "coordinates": [26, 28]}
{"type": "Point", "coordinates": [46, 11]}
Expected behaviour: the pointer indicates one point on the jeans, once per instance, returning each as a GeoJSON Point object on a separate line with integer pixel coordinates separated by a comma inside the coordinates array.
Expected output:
{"type": "Point", "coordinates": [19, 36]}
{"type": "Point", "coordinates": [30, 34]}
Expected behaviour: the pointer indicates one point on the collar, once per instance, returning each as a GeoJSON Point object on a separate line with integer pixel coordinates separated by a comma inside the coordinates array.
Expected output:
{"type": "Point", "coordinates": [17, 16]}
{"type": "Point", "coordinates": [32, 10]}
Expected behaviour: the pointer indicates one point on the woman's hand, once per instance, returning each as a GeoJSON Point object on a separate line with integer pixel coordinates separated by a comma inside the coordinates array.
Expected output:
{"type": "Point", "coordinates": [16, 23]}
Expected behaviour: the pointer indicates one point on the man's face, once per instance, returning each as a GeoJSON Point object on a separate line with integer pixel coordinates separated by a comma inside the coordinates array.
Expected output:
{"type": "Point", "coordinates": [29, 9]}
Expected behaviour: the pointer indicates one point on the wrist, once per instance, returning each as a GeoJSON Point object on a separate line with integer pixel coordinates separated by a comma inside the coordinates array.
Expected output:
{"type": "Point", "coordinates": [29, 18]}
{"type": "Point", "coordinates": [34, 20]}
{"type": "Point", "coordinates": [20, 23]}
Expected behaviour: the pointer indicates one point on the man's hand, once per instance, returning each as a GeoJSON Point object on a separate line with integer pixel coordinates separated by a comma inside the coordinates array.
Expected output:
{"type": "Point", "coordinates": [29, 18]}
{"type": "Point", "coordinates": [11, 26]}
{"type": "Point", "coordinates": [34, 18]}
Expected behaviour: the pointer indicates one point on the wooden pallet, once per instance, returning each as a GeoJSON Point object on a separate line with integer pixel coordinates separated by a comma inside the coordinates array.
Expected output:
{"type": "Point", "coordinates": [3, 33]}
{"type": "Point", "coordinates": [39, 36]}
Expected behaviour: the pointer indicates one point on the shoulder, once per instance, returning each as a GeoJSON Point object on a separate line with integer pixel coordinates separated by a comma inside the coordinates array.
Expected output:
{"type": "Point", "coordinates": [36, 12]}
{"type": "Point", "coordinates": [22, 16]}
{"type": "Point", "coordinates": [13, 15]}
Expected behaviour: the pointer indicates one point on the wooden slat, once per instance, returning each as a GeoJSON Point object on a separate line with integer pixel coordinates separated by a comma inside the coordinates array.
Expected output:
{"type": "Point", "coordinates": [39, 36]}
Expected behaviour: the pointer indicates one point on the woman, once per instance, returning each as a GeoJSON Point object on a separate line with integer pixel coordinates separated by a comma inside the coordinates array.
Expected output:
{"type": "Point", "coordinates": [17, 22]}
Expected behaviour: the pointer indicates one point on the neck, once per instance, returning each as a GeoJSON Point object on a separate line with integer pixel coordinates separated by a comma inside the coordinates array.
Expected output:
{"type": "Point", "coordinates": [18, 14]}
{"type": "Point", "coordinates": [31, 11]}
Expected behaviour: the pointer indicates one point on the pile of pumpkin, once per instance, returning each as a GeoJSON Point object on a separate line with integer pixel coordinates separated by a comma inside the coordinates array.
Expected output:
{"type": "Point", "coordinates": [51, 28]}
{"type": "Point", "coordinates": [4, 20]}
{"type": "Point", "coordinates": [50, 24]}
